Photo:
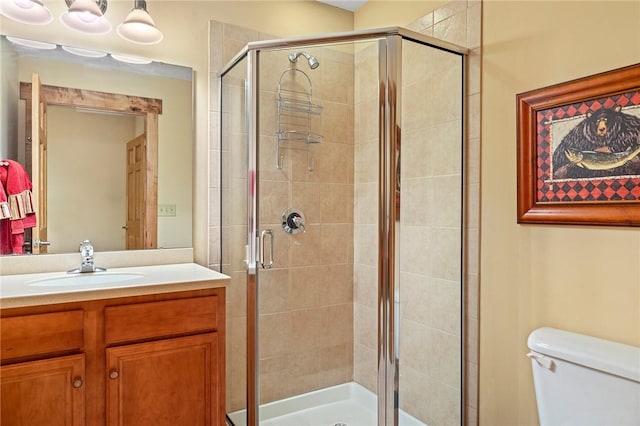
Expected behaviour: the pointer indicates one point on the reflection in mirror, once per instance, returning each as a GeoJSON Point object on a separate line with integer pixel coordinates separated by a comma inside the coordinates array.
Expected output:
{"type": "Point", "coordinates": [85, 167]}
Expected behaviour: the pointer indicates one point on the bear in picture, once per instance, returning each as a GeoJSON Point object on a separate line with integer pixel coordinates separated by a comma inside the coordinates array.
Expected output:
{"type": "Point", "coordinates": [605, 144]}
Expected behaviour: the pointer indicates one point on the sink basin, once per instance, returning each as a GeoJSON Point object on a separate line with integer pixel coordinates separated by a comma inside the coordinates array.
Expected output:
{"type": "Point", "coordinates": [90, 278]}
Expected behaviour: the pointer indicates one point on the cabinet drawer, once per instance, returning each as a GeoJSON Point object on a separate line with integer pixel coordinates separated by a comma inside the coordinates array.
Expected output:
{"type": "Point", "coordinates": [40, 334]}
{"type": "Point", "coordinates": [160, 319]}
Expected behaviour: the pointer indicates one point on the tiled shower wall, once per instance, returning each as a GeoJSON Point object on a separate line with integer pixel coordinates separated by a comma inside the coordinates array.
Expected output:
{"type": "Point", "coordinates": [294, 283]}
{"type": "Point", "coordinates": [430, 281]}
{"type": "Point", "coordinates": [306, 321]}
{"type": "Point", "coordinates": [429, 231]}
{"type": "Point", "coordinates": [460, 22]}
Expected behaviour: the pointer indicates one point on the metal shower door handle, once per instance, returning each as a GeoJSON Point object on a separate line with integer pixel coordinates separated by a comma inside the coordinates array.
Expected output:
{"type": "Point", "coordinates": [261, 252]}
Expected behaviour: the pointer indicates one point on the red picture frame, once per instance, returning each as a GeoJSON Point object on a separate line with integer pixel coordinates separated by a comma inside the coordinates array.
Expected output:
{"type": "Point", "coordinates": [578, 151]}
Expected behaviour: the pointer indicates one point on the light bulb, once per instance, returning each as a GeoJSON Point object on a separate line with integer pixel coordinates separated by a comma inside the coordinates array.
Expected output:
{"type": "Point", "coordinates": [26, 11]}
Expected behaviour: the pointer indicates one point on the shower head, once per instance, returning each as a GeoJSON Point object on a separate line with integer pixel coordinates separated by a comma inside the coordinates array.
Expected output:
{"type": "Point", "coordinates": [313, 62]}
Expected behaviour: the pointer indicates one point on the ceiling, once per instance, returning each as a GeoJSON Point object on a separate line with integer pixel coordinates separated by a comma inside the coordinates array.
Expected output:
{"type": "Point", "coordinates": [351, 5]}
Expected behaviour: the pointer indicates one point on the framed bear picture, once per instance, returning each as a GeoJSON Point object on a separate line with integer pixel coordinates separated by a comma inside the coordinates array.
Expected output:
{"type": "Point", "coordinates": [578, 151]}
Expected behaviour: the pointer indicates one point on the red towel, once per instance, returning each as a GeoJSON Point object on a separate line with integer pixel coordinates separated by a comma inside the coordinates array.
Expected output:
{"type": "Point", "coordinates": [17, 190]}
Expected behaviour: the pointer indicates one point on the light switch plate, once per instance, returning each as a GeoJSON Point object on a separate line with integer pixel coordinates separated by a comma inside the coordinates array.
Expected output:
{"type": "Point", "coordinates": [165, 210]}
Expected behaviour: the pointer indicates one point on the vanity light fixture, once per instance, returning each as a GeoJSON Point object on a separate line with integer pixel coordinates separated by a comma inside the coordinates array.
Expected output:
{"type": "Point", "coordinates": [131, 59]}
{"type": "Point", "coordinates": [139, 26]}
{"type": "Point", "coordinates": [34, 44]}
{"type": "Point", "coordinates": [26, 11]}
{"type": "Point", "coordinates": [87, 53]}
{"type": "Point", "coordinates": [86, 16]}
{"type": "Point", "coordinates": [79, 51]}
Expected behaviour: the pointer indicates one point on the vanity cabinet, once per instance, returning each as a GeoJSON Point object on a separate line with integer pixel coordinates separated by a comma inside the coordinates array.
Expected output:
{"type": "Point", "coordinates": [42, 393]}
{"type": "Point", "coordinates": [174, 378]}
{"type": "Point", "coordinates": [154, 359]}
{"type": "Point", "coordinates": [37, 385]}
{"type": "Point", "coordinates": [167, 382]}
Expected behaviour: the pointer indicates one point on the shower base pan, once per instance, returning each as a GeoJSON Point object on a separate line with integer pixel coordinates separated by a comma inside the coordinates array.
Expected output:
{"type": "Point", "coordinates": [349, 404]}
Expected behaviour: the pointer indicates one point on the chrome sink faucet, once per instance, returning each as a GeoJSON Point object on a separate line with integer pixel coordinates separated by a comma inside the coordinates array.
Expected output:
{"type": "Point", "coordinates": [86, 253]}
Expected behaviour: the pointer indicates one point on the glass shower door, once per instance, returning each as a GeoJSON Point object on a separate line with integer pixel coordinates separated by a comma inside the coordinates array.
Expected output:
{"type": "Point", "coordinates": [306, 198]}
{"type": "Point", "coordinates": [233, 169]}
{"type": "Point", "coordinates": [316, 178]}
{"type": "Point", "coordinates": [430, 235]}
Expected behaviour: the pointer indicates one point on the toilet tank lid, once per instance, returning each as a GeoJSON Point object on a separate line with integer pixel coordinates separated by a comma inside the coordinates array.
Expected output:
{"type": "Point", "coordinates": [599, 354]}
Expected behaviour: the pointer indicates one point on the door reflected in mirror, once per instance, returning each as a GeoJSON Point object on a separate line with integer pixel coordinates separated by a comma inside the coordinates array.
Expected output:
{"type": "Point", "coordinates": [97, 186]}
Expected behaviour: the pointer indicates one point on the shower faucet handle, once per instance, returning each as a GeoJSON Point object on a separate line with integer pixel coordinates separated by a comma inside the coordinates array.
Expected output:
{"type": "Point", "coordinates": [298, 222]}
{"type": "Point", "coordinates": [293, 221]}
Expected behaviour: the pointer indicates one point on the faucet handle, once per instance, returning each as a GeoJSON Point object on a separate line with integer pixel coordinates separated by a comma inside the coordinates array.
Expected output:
{"type": "Point", "coordinates": [86, 249]}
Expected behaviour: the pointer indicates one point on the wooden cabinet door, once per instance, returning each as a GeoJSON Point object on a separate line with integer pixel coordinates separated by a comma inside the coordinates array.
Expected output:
{"type": "Point", "coordinates": [172, 382]}
{"type": "Point", "coordinates": [43, 393]}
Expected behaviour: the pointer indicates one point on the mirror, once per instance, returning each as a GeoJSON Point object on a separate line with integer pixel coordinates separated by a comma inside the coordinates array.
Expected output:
{"type": "Point", "coordinates": [87, 192]}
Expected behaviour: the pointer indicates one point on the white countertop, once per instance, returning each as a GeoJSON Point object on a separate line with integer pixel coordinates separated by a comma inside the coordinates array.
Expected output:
{"type": "Point", "coordinates": [18, 290]}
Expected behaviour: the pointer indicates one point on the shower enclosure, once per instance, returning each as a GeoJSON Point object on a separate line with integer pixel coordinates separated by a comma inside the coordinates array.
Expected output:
{"type": "Point", "coordinates": [341, 228]}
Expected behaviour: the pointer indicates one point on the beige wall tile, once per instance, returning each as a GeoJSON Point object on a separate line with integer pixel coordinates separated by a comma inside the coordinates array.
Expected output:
{"type": "Point", "coordinates": [337, 122]}
{"type": "Point", "coordinates": [366, 154]}
{"type": "Point", "coordinates": [445, 308]}
{"type": "Point", "coordinates": [336, 203]}
{"type": "Point", "coordinates": [214, 245]}
{"type": "Point", "coordinates": [418, 110]}
{"type": "Point", "coordinates": [366, 201]}
{"type": "Point", "coordinates": [414, 390]}
{"type": "Point", "coordinates": [339, 284]}
{"type": "Point", "coordinates": [450, 9]}
{"type": "Point", "coordinates": [422, 23]}
{"type": "Point", "coordinates": [366, 285]}
{"type": "Point", "coordinates": [444, 204]}
{"type": "Point", "coordinates": [452, 29]}
{"type": "Point", "coordinates": [416, 153]}
{"type": "Point", "coordinates": [275, 334]}
{"type": "Point", "coordinates": [274, 291]}
{"type": "Point", "coordinates": [415, 298]}
{"type": "Point", "coordinates": [309, 287]}
{"type": "Point", "coordinates": [365, 244]}
{"type": "Point", "coordinates": [365, 366]}
{"type": "Point", "coordinates": [365, 322]}
{"type": "Point", "coordinates": [274, 386]}
{"type": "Point", "coordinates": [446, 148]}
{"type": "Point", "coordinates": [445, 260]}
{"type": "Point", "coordinates": [274, 198]}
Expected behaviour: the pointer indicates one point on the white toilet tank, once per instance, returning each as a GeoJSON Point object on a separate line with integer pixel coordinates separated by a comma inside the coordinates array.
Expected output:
{"type": "Point", "coordinates": [582, 380]}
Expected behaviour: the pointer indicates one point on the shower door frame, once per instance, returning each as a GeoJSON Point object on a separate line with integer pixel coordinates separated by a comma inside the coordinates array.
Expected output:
{"type": "Point", "coordinates": [389, 113]}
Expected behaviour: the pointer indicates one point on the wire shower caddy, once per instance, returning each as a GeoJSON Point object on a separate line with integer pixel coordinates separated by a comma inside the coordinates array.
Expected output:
{"type": "Point", "coordinates": [295, 112]}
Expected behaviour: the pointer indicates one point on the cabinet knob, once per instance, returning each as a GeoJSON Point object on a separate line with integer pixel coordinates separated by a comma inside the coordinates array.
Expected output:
{"type": "Point", "coordinates": [113, 374]}
{"type": "Point", "coordinates": [77, 382]}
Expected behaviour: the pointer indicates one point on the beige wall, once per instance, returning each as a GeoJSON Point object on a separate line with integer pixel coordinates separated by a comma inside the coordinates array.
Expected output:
{"type": "Point", "coordinates": [379, 14]}
{"type": "Point", "coordinates": [81, 196]}
{"type": "Point", "coordinates": [583, 279]}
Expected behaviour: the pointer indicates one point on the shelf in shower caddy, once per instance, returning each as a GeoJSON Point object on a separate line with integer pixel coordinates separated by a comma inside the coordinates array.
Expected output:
{"type": "Point", "coordinates": [295, 136]}
{"type": "Point", "coordinates": [297, 105]}
{"type": "Point", "coordinates": [295, 109]}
